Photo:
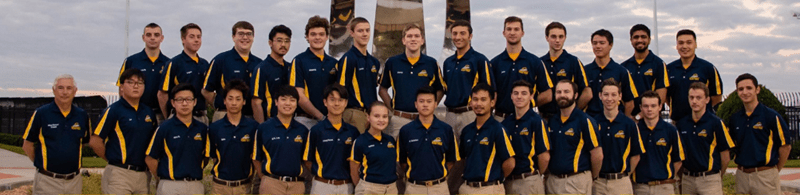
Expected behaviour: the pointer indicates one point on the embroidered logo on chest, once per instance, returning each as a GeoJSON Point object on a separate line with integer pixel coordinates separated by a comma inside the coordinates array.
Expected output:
{"type": "Point", "coordinates": [523, 70]}
{"type": "Point", "coordinates": [758, 126]}
{"type": "Point", "coordinates": [524, 131]}
{"type": "Point", "coordinates": [390, 145]}
{"type": "Point", "coordinates": [570, 132]}
{"type": "Point", "coordinates": [245, 138]}
{"type": "Point", "coordinates": [437, 141]}
{"type": "Point", "coordinates": [649, 72]}
{"type": "Point", "coordinates": [349, 141]}
{"type": "Point", "coordinates": [661, 142]}
{"type": "Point", "coordinates": [561, 73]}
{"type": "Point", "coordinates": [702, 133]}
{"type": "Point", "coordinates": [198, 137]}
{"type": "Point", "coordinates": [148, 119]}
{"type": "Point", "coordinates": [423, 73]}
{"type": "Point", "coordinates": [694, 77]}
{"type": "Point", "coordinates": [620, 134]}
{"type": "Point", "coordinates": [466, 69]}
{"type": "Point", "coordinates": [76, 126]}
{"type": "Point", "coordinates": [298, 139]}
{"type": "Point", "coordinates": [374, 69]}
{"type": "Point", "coordinates": [484, 141]}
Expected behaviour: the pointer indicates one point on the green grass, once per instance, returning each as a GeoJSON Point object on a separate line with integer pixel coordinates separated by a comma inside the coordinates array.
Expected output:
{"type": "Point", "coordinates": [728, 183]}
{"type": "Point", "coordinates": [791, 163]}
{"type": "Point", "coordinates": [91, 184]}
{"type": "Point", "coordinates": [15, 149]}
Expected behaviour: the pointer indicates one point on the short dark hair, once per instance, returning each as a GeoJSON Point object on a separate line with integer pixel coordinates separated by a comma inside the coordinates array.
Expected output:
{"type": "Point", "coordinates": [651, 94]}
{"type": "Point", "coordinates": [286, 90]}
{"type": "Point", "coordinates": [604, 33]}
{"type": "Point", "coordinates": [572, 84]}
{"type": "Point", "coordinates": [186, 28]}
{"type": "Point", "coordinates": [236, 84]}
{"type": "Point", "coordinates": [426, 90]}
{"type": "Point", "coordinates": [686, 32]}
{"type": "Point", "coordinates": [130, 73]}
{"type": "Point", "coordinates": [183, 87]}
{"type": "Point", "coordinates": [611, 82]}
{"type": "Point", "coordinates": [511, 19]}
{"type": "Point", "coordinates": [337, 88]}
{"type": "Point", "coordinates": [746, 76]}
{"type": "Point", "coordinates": [413, 26]}
{"type": "Point", "coordinates": [639, 27]}
{"type": "Point", "coordinates": [700, 86]}
{"type": "Point", "coordinates": [553, 25]}
{"type": "Point", "coordinates": [280, 29]}
{"type": "Point", "coordinates": [316, 22]}
{"type": "Point", "coordinates": [483, 87]}
{"type": "Point", "coordinates": [153, 25]}
{"type": "Point", "coordinates": [355, 21]}
{"type": "Point", "coordinates": [462, 23]}
{"type": "Point", "coordinates": [376, 104]}
{"type": "Point", "coordinates": [522, 83]}
{"type": "Point", "coordinates": [242, 24]}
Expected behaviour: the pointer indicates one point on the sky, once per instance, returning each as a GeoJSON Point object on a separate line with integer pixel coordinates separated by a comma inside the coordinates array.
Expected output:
{"type": "Point", "coordinates": [45, 38]}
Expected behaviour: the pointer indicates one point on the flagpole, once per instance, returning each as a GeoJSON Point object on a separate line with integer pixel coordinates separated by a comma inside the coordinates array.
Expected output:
{"type": "Point", "coordinates": [127, 22]}
{"type": "Point", "coordinates": [655, 24]}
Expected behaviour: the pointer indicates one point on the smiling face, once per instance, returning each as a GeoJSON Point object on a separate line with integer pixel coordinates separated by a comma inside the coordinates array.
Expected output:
{"type": "Point", "coordinates": [193, 40]}
{"type": "Point", "coordinates": [686, 46]}
{"type": "Point", "coordinates": [335, 103]}
{"type": "Point", "coordinates": [461, 36]}
{"type": "Point", "coordinates": [521, 96]}
{"type": "Point", "coordinates": [317, 37]}
{"type": "Point", "coordinates": [64, 91]}
{"type": "Point", "coordinates": [413, 40]}
{"type": "Point", "coordinates": [640, 41]}
{"type": "Point", "coordinates": [513, 33]}
{"type": "Point", "coordinates": [481, 103]}
{"type": "Point", "coordinates": [286, 105]}
{"type": "Point", "coordinates": [378, 117]}
{"type": "Point", "coordinates": [747, 91]}
{"type": "Point", "coordinates": [243, 39]}
{"type": "Point", "coordinates": [610, 97]}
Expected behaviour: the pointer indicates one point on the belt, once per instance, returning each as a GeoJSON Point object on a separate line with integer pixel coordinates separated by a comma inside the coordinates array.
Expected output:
{"type": "Point", "coordinates": [181, 179]}
{"type": "Point", "coordinates": [231, 183]}
{"type": "Point", "coordinates": [285, 178]}
{"type": "Point", "coordinates": [613, 175]}
{"type": "Point", "coordinates": [568, 174]}
{"type": "Point", "coordinates": [58, 175]}
{"type": "Point", "coordinates": [700, 174]}
{"type": "Point", "coordinates": [478, 184]}
{"type": "Point", "coordinates": [522, 176]}
{"type": "Point", "coordinates": [659, 182]}
{"type": "Point", "coordinates": [199, 112]}
{"type": "Point", "coordinates": [459, 110]}
{"type": "Point", "coordinates": [500, 114]}
{"type": "Point", "coordinates": [333, 181]}
{"type": "Point", "coordinates": [429, 182]}
{"type": "Point", "coordinates": [130, 167]}
{"type": "Point", "coordinates": [408, 115]}
{"type": "Point", "coordinates": [756, 169]}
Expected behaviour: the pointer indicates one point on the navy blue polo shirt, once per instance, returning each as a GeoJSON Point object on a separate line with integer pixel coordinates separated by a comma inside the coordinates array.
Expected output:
{"type": "Point", "coordinates": [405, 79]}
{"type": "Point", "coordinates": [280, 149]}
{"type": "Point", "coordinates": [225, 67]}
{"type": "Point", "coordinates": [377, 156]}
{"type": "Point", "coordinates": [704, 139]}
{"type": "Point", "coordinates": [184, 147]}
{"type": "Point", "coordinates": [426, 151]}
{"type": "Point", "coordinates": [328, 149]}
{"type": "Point", "coordinates": [183, 69]}
{"type": "Point", "coordinates": [663, 147]}
{"type": "Point", "coordinates": [463, 74]}
{"type": "Point", "coordinates": [758, 136]}
{"type": "Point", "coordinates": [152, 75]}
{"type": "Point", "coordinates": [566, 66]}
{"type": "Point", "coordinates": [359, 74]}
{"type": "Point", "coordinates": [527, 67]}
{"type": "Point", "coordinates": [529, 138]}
{"type": "Point", "coordinates": [127, 131]}
{"type": "Point", "coordinates": [572, 142]}
{"type": "Point", "coordinates": [596, 75]}
{"type": "Point", "coordinates": [313, 74]}
{"type": "Point", "coordinates": [60, 138]}
{"type": "Point", "coordinates": [484, 150]}
{"type": "Point", "coordinates": [621, 140]}
{"type": "Point", "coordinates": [651, 74]}
{"type": "Point", "coordinates": [232, 146]}
{"type": "Point", "coordinates": [681, 78]}
{"type": "Point", "coordinates": [268, 77]}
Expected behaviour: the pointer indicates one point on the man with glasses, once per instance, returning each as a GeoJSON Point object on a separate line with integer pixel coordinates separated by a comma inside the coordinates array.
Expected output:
{"type": "Point", "coordinates": [271, 74]}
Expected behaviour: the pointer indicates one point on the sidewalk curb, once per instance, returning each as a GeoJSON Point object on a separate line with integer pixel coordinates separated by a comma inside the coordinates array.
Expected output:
{"type": "Point", "coordinates": [792, 189]}
{"type": "Point", "coordinates": [14, 185]}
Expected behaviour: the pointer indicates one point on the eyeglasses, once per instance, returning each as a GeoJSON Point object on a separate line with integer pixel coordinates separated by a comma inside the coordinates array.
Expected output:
{"type": "Point", "coordinates": [282, 41]}
{"type": "Point", "coordinates": [134, 83]}
{"type": "Point", "coordinates": [244, 34]}
{"type": "Point", "coordinates": [184, 100]}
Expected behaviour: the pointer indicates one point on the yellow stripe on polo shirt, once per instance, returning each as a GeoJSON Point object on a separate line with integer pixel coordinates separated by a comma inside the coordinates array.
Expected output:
{"type": "Point", "coordinates": [489, 164]}
{"type": "Point", "coordinates": [169, 159]}
{"type": "Point", "coordinates": [122, 145]}
{"type": "Point", "coordinates": [44, 149]}
{"type": "Point", "coordinates": [28, 129]}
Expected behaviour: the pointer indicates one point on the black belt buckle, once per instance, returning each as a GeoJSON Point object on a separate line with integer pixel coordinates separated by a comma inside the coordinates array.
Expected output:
{"type": "Point", "coordinates": [130, 167]}
{"type": "Point", "coordinates": [57, 175]}
{"type": "Point", "coordinates": [701, 174]}
{"type": "Point", "coordinates": [611, 176]}
{"type": "Point", "coordinates": [479, 184]}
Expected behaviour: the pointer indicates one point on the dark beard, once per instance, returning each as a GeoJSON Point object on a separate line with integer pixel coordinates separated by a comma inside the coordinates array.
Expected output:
{"type": "Point", "coordinates": [562, 103]}
{"type": "Point", "coordinates": [640, 50]}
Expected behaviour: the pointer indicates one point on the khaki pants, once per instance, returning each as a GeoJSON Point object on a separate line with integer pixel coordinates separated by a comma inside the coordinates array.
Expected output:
{"type": "Point", "coordinates": [305, 121]}
{"type": "Point", "coordinates": [276, 187]}
{"type": "Point", "coordinates": [117, 180]}
{"type": "Point", "coordinates": [576, 184]}
{"type": "Point", "coordinates": [492, 189]}
{"type": "Point", "coordinates": [320, 188]}
{"type": "Point", "coordinates": [180, 187]}
{"type": "Point", "coordinates": [603, 186]}
{"type": "Point", "coordinates": [365, 187]}
{"type": "Point", "coordinates": [43, 184]}
{"type": "Point", "coordinates": [459, 120]}
{"type": "Point", "coordinates": [704, 185]}
{"type": "Point", "coordinates": [395, 123]}
{"type": "Point", "coordinates": [760, 182]}
{"type": "Point", "coordinates": [662, 189]}
{"type": "Point", "coordinates": [529, 185]}
{"type": "Point", "coordinates": [415, 189]}
{"type": "Point", "coordinates": [228, 190]}
{"type": "Point", "coordinates": [356, 118]}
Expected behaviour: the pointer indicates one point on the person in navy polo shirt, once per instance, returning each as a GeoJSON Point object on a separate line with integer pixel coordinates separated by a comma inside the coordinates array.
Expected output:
{"type": "Point", "coordinates": [687, 70]}
{"type": "Point", "coordinates": [664, 154]}
{"type": "Point", "coordinates": [530, 140]}
{"type": "Point", "coordinates": [373, 158]}
{"type": "Point", "coordinates": [329, 144]}
{"type": "Point", "coordinates": [280, 143]}
{"type": "Point", "coordinates": [271, 74]}
{"type": "Point", "coordinates": [516, 63]}
{"type": "Point", "coordinates": [54, 139]}
{"type": "Point", "coordinates": [762, 141]}
{"type": "Point", "coordinates": [177, 149]}
{"type": "Point", "coordinates": [622, 143]}
{"type": "Point", "coordinates": [649, 72]}
{"type": "Point", "coordinates": [575, 145]}
{"type": "Point", "coordinates": [237, 63]}
{"type": "Point", "coordinates": [151, 62]}
{"type": "Point", "coordinates": [427, 148]}
{"type": "Point", "coordinates": [121, 137]}
{"type": "Point", "coordinates": [232, 143]}
{"type": "Point", "coordinates": [187, 67]}
{"type": "Point", "coordinates": [602, 68]}
{"type": "Point", "coordinates": [358, 72]}
{"type": "Point", "coordinates": [562, 65]}
{"type": "Point", "coordinates": [312, 71]}
{"type": "Point", "coordinates": [708, 141]}
{"type": "Point", "coordinates": [405, 74]}
{"type": "Point", "coordinates": [485, 146]}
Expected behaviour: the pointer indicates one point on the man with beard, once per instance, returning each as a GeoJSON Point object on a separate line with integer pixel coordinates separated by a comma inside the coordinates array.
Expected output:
{"type": "Point", "coordinates": [604, 68]}
{"type": "Point", "coordinates": [649, 72]}
{"type": "Point", "coordinates": [271, 74]}
{"type": "Point", "coordinates": [358, 72]}
{"type": "Point", "coordinates": [151, 62]}
{"type": "Point", "coordinates": [562, 65]}
{"type": "Point", "coordinates": [575, 146]}
{"type": "Point", "coordinates": [312, 71]}
{"type": "Point", "coordinates": [687, 70]}
{"type": "Point", "coordinates": [659, 165]}
{"type": "Point", "coordinates": [187, 67]}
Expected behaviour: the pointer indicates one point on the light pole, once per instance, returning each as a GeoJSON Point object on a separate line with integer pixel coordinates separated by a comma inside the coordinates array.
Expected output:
{"type": "Point", "coordinates": [655, 24]}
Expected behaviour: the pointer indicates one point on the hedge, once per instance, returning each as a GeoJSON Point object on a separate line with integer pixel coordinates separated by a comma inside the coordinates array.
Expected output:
{"type": "Point", "coordinates": [16, 140]}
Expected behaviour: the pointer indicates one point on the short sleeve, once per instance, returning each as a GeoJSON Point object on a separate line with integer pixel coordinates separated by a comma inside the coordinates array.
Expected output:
{"type": "Point", "coordinates": [211, 82]}
{"type": "Point", "coordinates": [635, 140]}
{"type": "Point", "coordinates": [356, 152]}
{"type": "Point", "coordinates": [105, 124]}
{"type": "Point", "coordinates": [782, 131]}
{"type": "Point", "coordinates": [503, 145]}
{"type": "Point", "coordinates": [579, 75]}
{"type": "Point", "coordinates": [156, 146]}
{"type": "Point", "coordinates": [436, 83]}
{"type": "Point", "coordinates": [541, 137]}
{"type": "Point", "coordinates": [627, 83]}
{"type": "Point", "coordinates": [543, 81]}
{"type": "Point", "coordinates": [168, 77]}
{"type": "Point", "coordinates": [296, 76]}
{"type": "Point", "coordinates": [32, 131]}
{"type": "Point", "coordinates": [721, 132]}
{"type": "Point", "coordinates": [122, 69]}
{"type": "Point", "coordinates": [714, 82]}
{"type": "Point", "coordinates": [590, 134]}
{"type": "Point", "coordinates": [677, 147]}
{"type": "Point", "coordinates": [212, 145]}
{"type": "Point", "coordinates": [485, 74]}
{"type": "Point", "coordinates": [386, 75]}
{"type": "Point", "coordinates": [660, 76]}
{"type": "Point", "coordinates": [257, 154]}
{"type": "Point", "coordinates": [311, 146]}
{"type": "Point", "coordinates": [258, 86]}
